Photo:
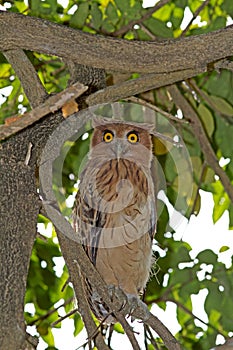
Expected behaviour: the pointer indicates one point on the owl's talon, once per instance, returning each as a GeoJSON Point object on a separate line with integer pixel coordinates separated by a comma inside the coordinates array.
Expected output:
{"type": "Point", "coordinates": [111, 291]}
{"type": "Point", "coordinates": [118, 293]}
{"type": "Point", "coordinates": [133, 303]}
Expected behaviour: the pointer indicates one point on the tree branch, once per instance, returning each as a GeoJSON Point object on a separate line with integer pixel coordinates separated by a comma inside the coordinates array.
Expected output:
{"type": "Point", "coordinates": [19, 31]}
{"type": "Point", "coordinates": [201, 136]}
{"type": "Point", "coordinates": [155, 108]}
{"type": "Point", "coordinates": [27, 75]}
{"type": "Point", "coordinates": [52, 104]}
{"type": "Point", "coordinates": [142, 84]}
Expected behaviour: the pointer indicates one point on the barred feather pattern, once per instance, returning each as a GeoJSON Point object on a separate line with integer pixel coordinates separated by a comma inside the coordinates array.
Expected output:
{"type": "Point", "coordinates": [114, 216]}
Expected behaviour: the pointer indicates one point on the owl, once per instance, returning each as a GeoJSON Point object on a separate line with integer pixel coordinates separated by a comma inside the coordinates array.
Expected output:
{"type": "Point", "coordinates": [114, 212]}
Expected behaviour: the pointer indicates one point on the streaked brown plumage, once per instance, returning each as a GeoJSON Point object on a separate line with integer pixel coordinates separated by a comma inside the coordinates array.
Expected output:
{"type": "Point", "coordinates": [114, 213]}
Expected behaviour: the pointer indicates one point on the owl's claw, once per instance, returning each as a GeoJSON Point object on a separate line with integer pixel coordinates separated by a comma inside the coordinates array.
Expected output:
{"type": "Point", "coordinates": [130, 302]}
{"type": "Point", "coordinates": [118, 293]}
{"type": "Point", "coordinates": [134, 303]}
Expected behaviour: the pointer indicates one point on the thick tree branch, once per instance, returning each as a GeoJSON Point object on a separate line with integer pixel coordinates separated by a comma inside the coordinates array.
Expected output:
{"type": "Point", "coordinates": [18, 31]}
{"type": "Point", "coordinates": [51, 105]}
{"type": "Point", "coordinates": [19, 210]}
{"type": "Point", "coordinates": [27, 75]}
{"type": "Point", "coordinates": [139, 85]}
{"type": "Point", "coordinates": [85, 310]}
{"type": "Point", "coordinates": [201, 136]}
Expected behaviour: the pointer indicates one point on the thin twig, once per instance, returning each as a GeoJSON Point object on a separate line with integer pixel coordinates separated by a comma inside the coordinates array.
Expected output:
{"type": "Point", "coordinates": [205, 97]}
{"type": "Point", "coordinates": [151, 338]}
{"type": "Point", "coordinates": [180, 305]}
{"type": "Point", "coordinates": [128, 330]}
{"type": "Point", "coordinates": [72, 312]}
{"type": "Point", "coordinates": [198, 187]}
{"type": "Point", "coordinates": [196, 13]}
{"type": "Point", "coordinates": [50, 312]}
{"type": "Point", "coordinates": [147, 15]}
{"type": "Point", "coordinates": [148, 32]}
{"type": "Point", "coordinates": [155, 108]}
{"type": "Point", "coordinates": [201, 136]}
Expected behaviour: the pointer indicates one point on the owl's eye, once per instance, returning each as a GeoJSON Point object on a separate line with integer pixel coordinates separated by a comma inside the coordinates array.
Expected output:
{"type": "Point", "coordinates": [132, 137]}
{"type": "Point", "coordinates": [108, 136]}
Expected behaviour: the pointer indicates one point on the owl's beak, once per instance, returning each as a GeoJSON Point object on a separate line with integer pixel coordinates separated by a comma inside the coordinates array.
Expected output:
{"type": "Point", "coordinates": [120, 149]}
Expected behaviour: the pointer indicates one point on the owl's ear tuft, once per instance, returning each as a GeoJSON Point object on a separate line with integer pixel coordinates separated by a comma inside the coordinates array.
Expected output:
{"type": "Point", "coordinates": [99, 121]}
{"type": "Point", "coordinates": [146, 126]}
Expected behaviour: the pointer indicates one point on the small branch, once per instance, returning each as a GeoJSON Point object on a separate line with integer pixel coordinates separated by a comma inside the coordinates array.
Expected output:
{"type": "Point", "coordinates": [147, 15]}
{"type": "Point", "coordinates": [148, 32]}
{"type": "Point", "coordinates": [27, 75]}
{"type": "Point", "coordinates": [205, 97]}
{"type": "Point", "coordinates": [128, 330]}
{"type": "Point", "coordinates": [179, 304]}
{"type": "Point", "coordinates": [198, 187]}
{"type": "Point", "coordinates": [155, 108]}
{"type": "Point", "coordinates": [201, 136]}
{"type": "Point", "coordinates": [52, 104]}
{"type": "Point", "coordinates": [72, 312]}
{"type": "Point", "coordinates": [169, 341]}
{"type": "Point", "coordinates": [196, 13]}
{"type": "Point", "coordinates": [50, 312]}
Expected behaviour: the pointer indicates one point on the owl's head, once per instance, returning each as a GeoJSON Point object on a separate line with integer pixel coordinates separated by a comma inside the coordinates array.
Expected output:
{"type": "Point", "coordinates": [118, 140]}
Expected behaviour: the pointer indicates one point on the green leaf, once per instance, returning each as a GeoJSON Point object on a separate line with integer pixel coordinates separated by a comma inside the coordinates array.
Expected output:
{"type": "Point", "coordinates": [78, 324]}
{"type": "Point", "coordinates": [207, 256]}
{"type": "Point", "coordinates": [206, 118]}
{"type": "Point", "coordinates": [123, 5]}
{"type": "Point", "coordinates": [221, 201]}
{"type": "Point", "coordinates": [158, 28]}
{"type": "Point", "coordinates": [96, 15]}
{"type": "Point", "coordinates": [227, 6]}
{"type": "Point", "coordinates": [224, 248]}
{"type": "Point", "coordinates": [79, 17]}
{"type": "Point", "coordinates": [118, 328]}
{"type": "Point", "coordinates": [221, 105]}
{"type": "Point", "coordinates": [111, 13]}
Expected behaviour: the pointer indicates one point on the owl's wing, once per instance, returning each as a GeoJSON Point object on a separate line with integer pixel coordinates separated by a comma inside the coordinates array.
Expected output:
{"type": "Point", "coordinates": [153, 218]}
{"type": "Point", "coordinates": [87, 222]}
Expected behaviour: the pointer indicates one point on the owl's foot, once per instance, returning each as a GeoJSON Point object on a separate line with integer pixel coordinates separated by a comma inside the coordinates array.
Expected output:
{"type": "Point", "coordinates": [118, 293]}
{"type": "Point", "coordinates": [130, 302]}
{"type": "Point", "coordinates": [134, 303]}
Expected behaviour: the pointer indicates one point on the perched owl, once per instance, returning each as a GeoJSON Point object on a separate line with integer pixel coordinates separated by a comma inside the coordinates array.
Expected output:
{"type": "Point", "coordinates": [114, 212]}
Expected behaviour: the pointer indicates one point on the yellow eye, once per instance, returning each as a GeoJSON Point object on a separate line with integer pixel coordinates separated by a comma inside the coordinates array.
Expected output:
{"type": "Point", "coordinates": [132, 137]}
{"type": "Point", "coordinates": [108, 136]}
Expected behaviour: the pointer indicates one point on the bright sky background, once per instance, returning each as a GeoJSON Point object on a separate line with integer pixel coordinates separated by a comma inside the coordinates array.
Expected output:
{"type": "Point", "coordinates": [199, 232]}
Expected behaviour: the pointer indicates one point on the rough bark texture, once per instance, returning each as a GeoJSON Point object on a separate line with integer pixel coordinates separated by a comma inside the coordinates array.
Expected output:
{"type": "Point", "coordinates": [18, 31]}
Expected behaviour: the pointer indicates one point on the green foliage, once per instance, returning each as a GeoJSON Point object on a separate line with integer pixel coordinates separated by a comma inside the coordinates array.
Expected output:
{"type": "Point", "coordinates": [177, 276]}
